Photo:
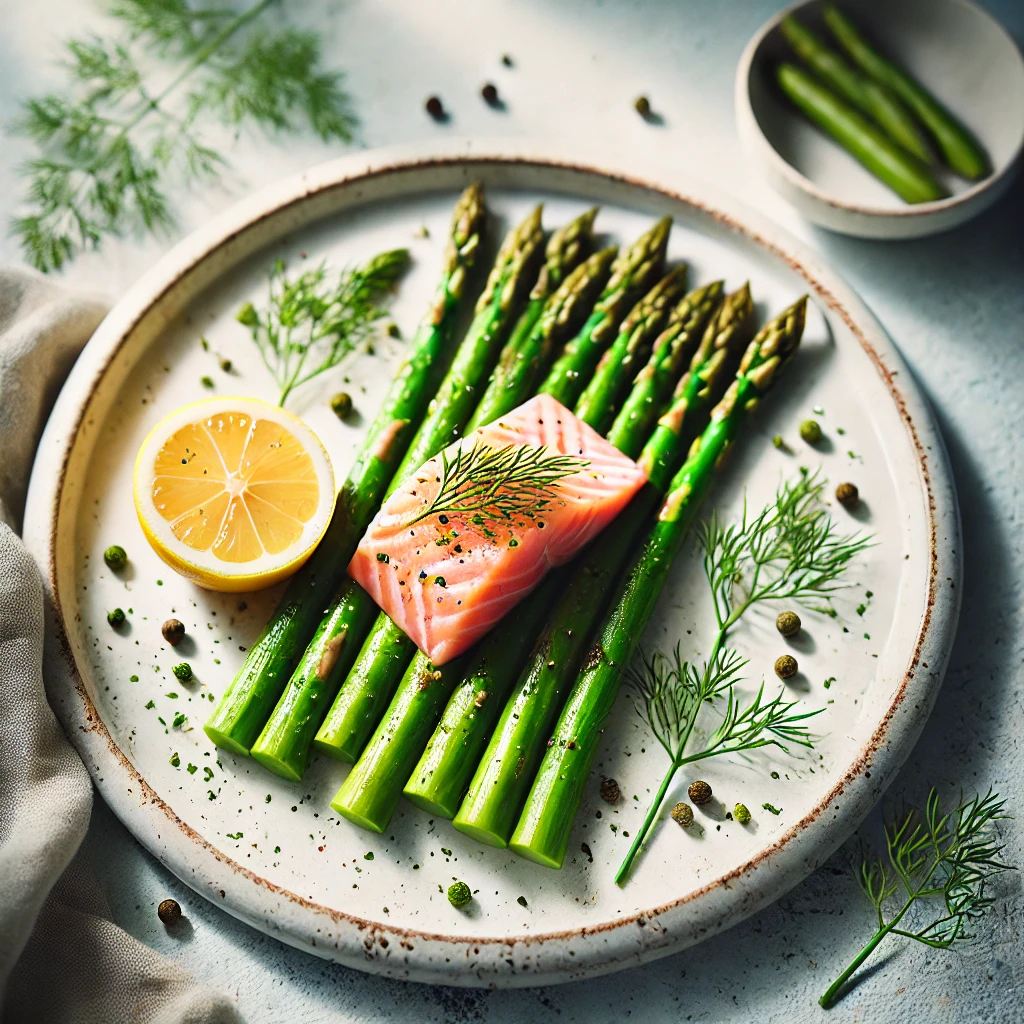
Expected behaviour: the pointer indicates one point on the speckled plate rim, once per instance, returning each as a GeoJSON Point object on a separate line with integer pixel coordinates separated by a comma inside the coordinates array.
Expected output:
{"type": "Point", "coordinates": [500, 961]}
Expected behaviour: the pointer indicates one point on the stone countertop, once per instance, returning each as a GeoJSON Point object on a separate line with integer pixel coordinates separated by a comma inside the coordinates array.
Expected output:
{"type": "Point", "coordinates": [954, 305]}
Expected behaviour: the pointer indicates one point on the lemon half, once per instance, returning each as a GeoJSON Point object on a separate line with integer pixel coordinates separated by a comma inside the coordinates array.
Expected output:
{"type": "Point", "coordinates": [233, 493]}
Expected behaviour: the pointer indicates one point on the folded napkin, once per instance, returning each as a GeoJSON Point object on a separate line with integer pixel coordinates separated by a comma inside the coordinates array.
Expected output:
{"type": "Point", "coordinates": [61, 958]}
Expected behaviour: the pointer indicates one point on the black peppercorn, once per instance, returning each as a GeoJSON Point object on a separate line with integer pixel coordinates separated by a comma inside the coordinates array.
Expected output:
{"type": "Point", "coordinates": [435, 108]}
{"type": "Point", "coordinates": [173, 631]}
{"type": "Point", "coordinates": [490, 94]}
{"type": "Point", "coordinates": [700, 792]}
{"type": "Point", "coordinates": [169, 912]}
{"type": "Point", "coordinates": [610, 791]}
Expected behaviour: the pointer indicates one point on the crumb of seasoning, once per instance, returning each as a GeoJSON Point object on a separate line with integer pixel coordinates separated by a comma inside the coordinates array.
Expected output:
{"type": "Point", "coordinates": [521, 900]}
{"type": "Point", "coordinates": [818, 411]}
{"type": "Point", "coordinates": [133, 679]}
{"type": "Point", "coordinates": [169, 912]}
{"type": "Point", "coordinates": [116, 617]}
{"type": "Point", "coordinates": [700, 792]}
{"type": "Point", "coordinates": [774, 775]}
{"type": "Point", "coordinates": [610, 791]}
{"type": "Point", "coordinates": [459, 894]}
{"type": "Point", "coordinates": [207, 382]}
{"type": "Point", "coordinates": [847, 495]}
{"type": "Point", "coordinates": [507, 60]}
{"type": "Point", "coordinates": [383, 557]}
{"type": "Point", "coordinates": [829, 681]}
{"type": "Point", "coordinates": [341, 404]}
{"type": "Point", "coordinates": [742, 814]}
{"type": "Point", "coordinates": [267, 799]}
{"type": "Point", "coordinates": [788, 623]}
{"type": "Point", "coordinates": [440, 581]}
{"type": "Point", "coordinates": [786, 666]}
{"type": "Point", "coordinates": [175, 761]}
{"type": "Point", "coordinates": [368, 855]}
{"type": "Point", "coordinates": [435, 108]}
{"type": "Point", "coordinates": [116, 557]}
{"type": "Point", "coordinates": [682, 815]}
{"type": "Point", "coordinates": [810, 431]}
{"type": "Point", "coordinates": [642, 105]}
{"type": "Point", "coordinates": [173, 631]}
{"type": "Point", "coordinates": [771, 808]}
{"type": "Point", "coordinates": [490, 95]}
{"type": "Point", "coordinates": [586, 850]}
{"type": "Point", "coordinates": [182, 671]}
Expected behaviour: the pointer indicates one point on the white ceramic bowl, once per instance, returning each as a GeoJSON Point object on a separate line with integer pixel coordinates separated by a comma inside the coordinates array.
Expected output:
{"type": "Point", "coordinates": [958, 51]}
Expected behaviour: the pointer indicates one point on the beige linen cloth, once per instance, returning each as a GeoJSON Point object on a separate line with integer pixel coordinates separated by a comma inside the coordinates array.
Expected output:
{"type": "Point", "coordinates": [61, 958]}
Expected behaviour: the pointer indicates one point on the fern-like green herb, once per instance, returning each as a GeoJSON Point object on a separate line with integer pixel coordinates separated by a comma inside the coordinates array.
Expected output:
{"type": "Point", "coordinates": [110, 140]}
{"type": "Point", "coordinates": [491, 484]}
{"type": "Point", "coordinates": [945, 860]}
{"type": "Point", "coordinates": [312, 321]}
{"type": "Point", "coordinates": [790, 551]}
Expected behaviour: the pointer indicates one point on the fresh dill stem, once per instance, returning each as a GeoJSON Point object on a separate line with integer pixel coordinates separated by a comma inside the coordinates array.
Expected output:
{"type": "Point", "coordinates": [320, 316]}
{"type": "Point", "coordinates": [107, 141]}
{"type": "Point", "coordinates": [789, 551]}
{"type": "Point", "coordinates": [499, 483]}
{"type": "Point", "coordinates": [932, 856]}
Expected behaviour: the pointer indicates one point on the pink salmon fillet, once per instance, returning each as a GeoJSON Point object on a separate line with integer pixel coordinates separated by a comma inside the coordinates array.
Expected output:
{"type": "Point", "coordinates": [448, 576]}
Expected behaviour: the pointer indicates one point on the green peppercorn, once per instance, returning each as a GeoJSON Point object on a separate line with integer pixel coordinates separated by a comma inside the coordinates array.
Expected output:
{"type": "Point", "coordinates": [642, 105]}
{"type": "Point", "coordinates": [810, 431]}
{"type": "Point", "coordinates": [225, 365]}
{"type": "Point", "coordinates": [169, 912]}
{"type": "Point", "coordinates": [116, 557]}
{"type": "Point", "coordinates": [786, 666]}
{"type": "Point", "coordinates": [741, 813]}
{"type": "Point", "coordinates": [700, 792]}
{"type": "Point", "coordinates": [682, 815]}
{"type": "Point", "coordinates": [341, 404]}
{"type": "Point", "coordinates": [207, 382]}
{"type": "Point", "coordinates": [610, 791]}
{"type": "Point", "coordinates": [183, 671]}
{"type": "Point", "coordinates": [393, 331]}
{"type": "Point", "coordinates": [788, 623]}
{"type": "Point", "coordinates": [173, 631]}
{"type": "Point", "coordinates": [847, 495]}
{"type": "Point", "coordinates": [459, 894]}
{"type": "Point", "coordinates": [116, 618]}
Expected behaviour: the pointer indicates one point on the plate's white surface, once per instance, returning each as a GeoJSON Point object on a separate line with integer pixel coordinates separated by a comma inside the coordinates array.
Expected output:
{"type": "Point", "coordinates": [273, 853]}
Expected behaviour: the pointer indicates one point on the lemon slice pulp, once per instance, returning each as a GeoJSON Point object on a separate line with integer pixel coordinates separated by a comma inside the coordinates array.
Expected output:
{"type": "Point", "coordinates": [233, 493]}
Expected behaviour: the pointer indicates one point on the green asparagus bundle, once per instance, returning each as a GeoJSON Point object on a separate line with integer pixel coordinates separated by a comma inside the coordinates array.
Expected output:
{"type": "Point", "coordinates": [887, 161]}
{"type": "Point", "coordinates": [499, 787]}
{"type": "Point", "coordinates": [252, 694]}
{"type": "Point", "coordinates": [543, 830]}
{"type": "Point", "coordinates": [442, 775]}
{"type": "Point", "coordinates": [372, 790]}
{"type": "Point", "coordinates": [283, 745]}
{"type": "Point", "coordinates": [873, 98]}
{"type": "Point", "coordinates": [959, 148]}
{"type": "Point", "coordinates": [387, 651]}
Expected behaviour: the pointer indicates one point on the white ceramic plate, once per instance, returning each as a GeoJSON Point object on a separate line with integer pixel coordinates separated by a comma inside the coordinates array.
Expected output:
{"type": "Point", "coordinates": [960, 52]}
{"type": "Point", "coordinates": [272, 853]}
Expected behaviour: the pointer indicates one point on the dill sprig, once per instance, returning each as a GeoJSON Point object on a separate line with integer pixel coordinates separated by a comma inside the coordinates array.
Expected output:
{"type": "Point", "coordinates": [312, 321]}
{"type": "Point", "coordinates": [946, 858]}
{"type": "Point", "coordinates": [492, 484]}
{"type": "Point", "coordinates": [109, 140]}
{"type": "Point", "coordinates": [791, 551]}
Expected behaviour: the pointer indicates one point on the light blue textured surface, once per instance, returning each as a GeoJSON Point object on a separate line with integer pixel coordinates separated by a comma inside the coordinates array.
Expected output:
{"type": "Point", "coordinates": [955, 306]}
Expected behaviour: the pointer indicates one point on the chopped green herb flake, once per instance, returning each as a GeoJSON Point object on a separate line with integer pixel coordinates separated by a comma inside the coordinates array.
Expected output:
{"type": "Point", "coordinates": [521, 900]}
{"type": "Point", "coordinates": [773, 810]}
{"type": "Point", "coordinates": [234, 835]}
{"type": "Point", "coordinates": [192, 768]}
{"type": "Point", "coordinates": [829, 681]}
{"type": "Point", "coordinates": [382, 557]}
{"type": "Point", "coordinates": [150, 705]}
{"type": "Point", "coordinates": [133, 679]}
{"type": "Point", "coordinates": [175, 761]}
{"type": "Point", "coordinates": [366, 856]}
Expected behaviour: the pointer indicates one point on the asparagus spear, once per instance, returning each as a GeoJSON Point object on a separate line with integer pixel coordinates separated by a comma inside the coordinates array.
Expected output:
{"type": "Point", "coordinates": [283, 745]}
{"type": "Point", "coordinates": [543, 830]}
{"type": "Point", "coordinates": [601, 398]}
{"type": "Point", "coordinates": [372, 790]}
{"type": "Point", "coordinates": [243, 710]}
{"type": "Point", "coordinates": [387, 652]}
{"type": "Point", "coordinates": [654, 382]}
{"type": "Point", "coordinates": [519, 366]}
{"type": "Point", "coordinates": [440, 779]}
{"type": "Point", "coordinates": [502, 780]}
{"type": "Point", "coordinates": [908, 178]}
{"type": "Point", "coordinates": [960, 149]}
{"type": "Point", "coordinates": [873, 98]}
{"type": "Point", "coordinates": [632, 274]}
